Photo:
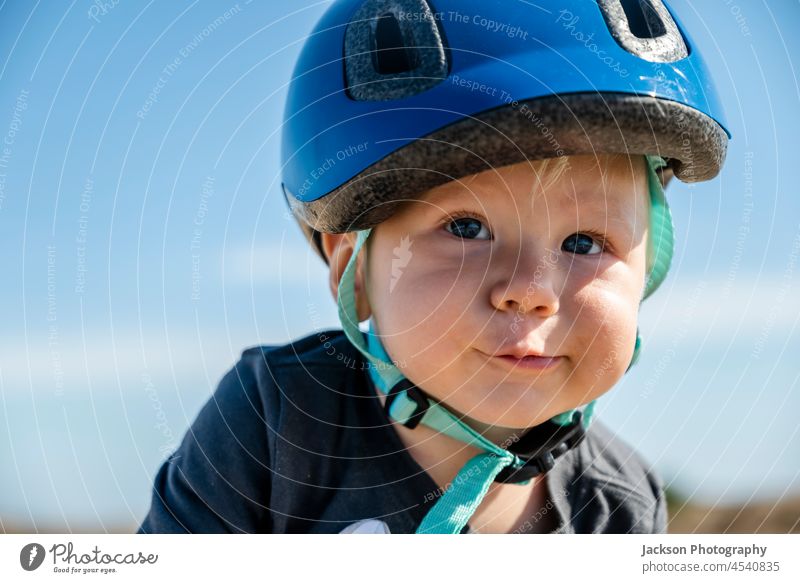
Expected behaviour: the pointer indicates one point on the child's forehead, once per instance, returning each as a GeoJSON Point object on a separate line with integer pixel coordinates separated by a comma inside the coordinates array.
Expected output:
{"type": "Point", "coordinates": [606, 189]}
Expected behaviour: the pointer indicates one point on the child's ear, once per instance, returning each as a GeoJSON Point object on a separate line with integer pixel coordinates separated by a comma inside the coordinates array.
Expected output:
{"type": "Point", "coordinates": [338, 248]}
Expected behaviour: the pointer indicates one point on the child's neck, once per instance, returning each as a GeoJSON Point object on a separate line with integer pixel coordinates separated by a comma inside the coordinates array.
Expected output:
{"type": "Point", "coordinates": [506, 507]}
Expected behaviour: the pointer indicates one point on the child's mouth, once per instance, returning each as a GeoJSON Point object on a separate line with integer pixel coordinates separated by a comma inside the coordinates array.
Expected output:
{"type": "Point", "coordinates": [531, 362]}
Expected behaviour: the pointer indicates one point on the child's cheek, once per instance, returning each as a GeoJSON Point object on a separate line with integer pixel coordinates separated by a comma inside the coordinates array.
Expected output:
{"type": "Point", "coordinates": [606, 321]}
{"type": "Point", "coordinates": [409, 297]}
{"type": "Point", "coordinates": [431, 280]}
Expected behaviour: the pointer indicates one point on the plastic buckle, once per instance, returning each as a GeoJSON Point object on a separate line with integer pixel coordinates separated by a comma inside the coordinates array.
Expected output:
{"type": "Point", "coordinates": [415, 394]}
{"type": "Point", "coordinates": [546, 462]}
{"type": "Point", "coordinates": [541, 446]}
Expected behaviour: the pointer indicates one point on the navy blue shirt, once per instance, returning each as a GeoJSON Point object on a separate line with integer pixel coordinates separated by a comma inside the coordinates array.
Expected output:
{"type": "Point", "coordinates": [294, 440]}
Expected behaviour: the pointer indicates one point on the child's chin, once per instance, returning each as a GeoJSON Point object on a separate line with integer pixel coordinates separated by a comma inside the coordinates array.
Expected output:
{"type": "Point", "coordinates": [517, 416]}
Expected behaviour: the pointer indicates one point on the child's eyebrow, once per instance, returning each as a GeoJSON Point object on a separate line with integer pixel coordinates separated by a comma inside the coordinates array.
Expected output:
{"type": "Point", "coordinates": [450, 195]}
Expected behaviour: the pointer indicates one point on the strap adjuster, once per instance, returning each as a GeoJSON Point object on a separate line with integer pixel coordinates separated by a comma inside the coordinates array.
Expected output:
{"type": "Point", "coordinates": [414, 395]}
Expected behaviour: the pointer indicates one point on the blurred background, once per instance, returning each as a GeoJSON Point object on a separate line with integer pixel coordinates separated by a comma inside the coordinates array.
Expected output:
{"type": "Point", "coordinates": [145, 243]}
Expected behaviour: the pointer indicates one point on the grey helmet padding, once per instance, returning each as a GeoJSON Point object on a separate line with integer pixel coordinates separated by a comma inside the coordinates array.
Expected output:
{"type": "Point", "coordinates": [693, 144]}
{"type": "Point", "coordinates": [393, 49]}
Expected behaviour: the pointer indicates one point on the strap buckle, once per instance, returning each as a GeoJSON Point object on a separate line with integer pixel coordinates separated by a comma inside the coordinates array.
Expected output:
{"type": "Point", "coordinates": [541, 446]}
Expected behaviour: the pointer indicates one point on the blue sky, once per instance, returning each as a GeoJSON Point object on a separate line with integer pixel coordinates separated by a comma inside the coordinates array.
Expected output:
{"type": "Point", "coordinates": [144, 244]}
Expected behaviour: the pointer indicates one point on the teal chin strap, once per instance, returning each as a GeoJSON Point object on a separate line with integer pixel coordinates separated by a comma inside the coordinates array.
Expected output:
{"type": "Point", "coordinates": [660, 244]}
{"type": "Point", "coordinates": [407, 405]}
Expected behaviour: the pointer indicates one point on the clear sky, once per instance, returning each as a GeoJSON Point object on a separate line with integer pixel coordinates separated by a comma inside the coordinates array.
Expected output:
{"type": "Point", "coordinates": [144, 243]}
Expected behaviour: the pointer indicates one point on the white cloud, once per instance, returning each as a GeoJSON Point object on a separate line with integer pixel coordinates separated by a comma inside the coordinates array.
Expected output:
{"type": "Point", "coordinates": [103, 365]}
{"type": "Point", "coordinates": [747, 307]}
{"type": "Point", "coordinates": [273, 264]}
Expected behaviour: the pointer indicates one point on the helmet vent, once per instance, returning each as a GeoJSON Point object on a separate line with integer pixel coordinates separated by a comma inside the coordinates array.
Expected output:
{"type": "Point", "coordinates": [393, 49]}
{"type": "Point", "coordinates": [643, 20]}
{"type": "Point", "coordinates": [390, 54]}
{"type": "Point", "coordinates": [644, 28]}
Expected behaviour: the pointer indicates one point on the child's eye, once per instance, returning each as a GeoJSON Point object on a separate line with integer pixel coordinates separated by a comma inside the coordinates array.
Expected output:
{"type": "Point", "coordinates": [582, 244]}
{"type": "Point", "coordinates": [468, 228]}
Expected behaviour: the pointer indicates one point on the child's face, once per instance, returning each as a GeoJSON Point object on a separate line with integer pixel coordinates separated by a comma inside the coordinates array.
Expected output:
{"type": "Point", "coordinates": [540, 262]}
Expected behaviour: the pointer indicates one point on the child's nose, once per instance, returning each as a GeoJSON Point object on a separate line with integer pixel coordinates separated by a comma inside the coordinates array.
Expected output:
{"type": "Point", "coordinates": [526, 283]}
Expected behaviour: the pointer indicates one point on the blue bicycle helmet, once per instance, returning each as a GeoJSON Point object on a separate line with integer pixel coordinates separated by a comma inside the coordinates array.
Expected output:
{"type": "Point", "coordinates": [390, 98]}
